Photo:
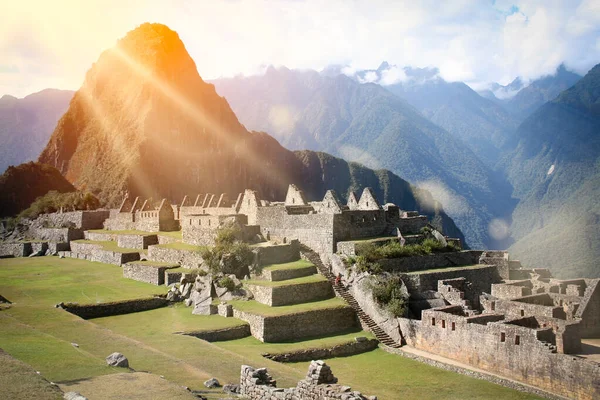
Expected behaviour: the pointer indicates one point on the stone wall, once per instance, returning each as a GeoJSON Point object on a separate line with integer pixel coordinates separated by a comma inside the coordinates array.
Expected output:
{"type": "Point", "coordinates": [57, 235]}
{"type": "Point", "coordinates": [89, 311]}
{"type": "Point", "coordinates": [319, 384]}
{"type": "Point", "coordinates": [296, 326]}
{"type": "Point", "coordinates": [285, 274]}
{"type": "Point", "coordinates": [221, 335]}
{"type": "Point", "coordinates": [277, 253]}
{"type": "Point", "coordinates": [141, 272]}
{"type": "Point", "coordinates": [291, 294]}
{"type": "Point", "coordinates": [480, 279]}
{"type": "Point", "coordinates": [185, 258]}
{"type": "Point", "coordinates": [589, 310]}
{"type": "Point", "coordinates": [513, 351]}
{"type": "Point", "coordinates": [15, 249]}
{"type": "Point", "coordinates": [83, 220]}
{"type": "Point", "coordinates": [511, 290]}
{"type": "Point", "coordinates": [432, 261]}
{"type": "Point", "coordinates": [357, 346]}
{"type": "Point", "coordinates": [136, 241]}
{"type": "Point", "coordinates": [313, 230]}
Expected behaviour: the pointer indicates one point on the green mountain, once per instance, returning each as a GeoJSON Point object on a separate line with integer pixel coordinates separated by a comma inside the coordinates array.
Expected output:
{"type": "Point", "coordinates": [145, 123]}
{"type": "Point", "coordinates": [27, 123]}
{"type": "Point", "coordinates": [555, 171]}
{"type": "Point", "coordinates": [539, 92]}
{"type": "Point", "coordinates": [21, 185]}
{"type": "Point", "coordinates": [481, 123]}
{"type": "Point", "coordinates": [369, 124]}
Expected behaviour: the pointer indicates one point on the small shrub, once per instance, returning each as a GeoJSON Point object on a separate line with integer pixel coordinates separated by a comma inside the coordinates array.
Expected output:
{"type": "Point", "coordinates": [387, 292]}
{"type": "Point", "coordinates": [349, 261]}
{"type": "Point", "coordinates": [228, 248]}
{"type": "Point", "coordinates": [364, 265]}
{"type": "Point", "coordinates": [227, 283]}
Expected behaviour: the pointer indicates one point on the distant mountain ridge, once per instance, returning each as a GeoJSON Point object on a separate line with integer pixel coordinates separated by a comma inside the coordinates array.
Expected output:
{"type": "Point", "coordinates": [145, 123]}
{"type": "Point", "coordinates": [369, 124]}
{"type": "Point", "coordinates": [555, 170]}
{"type": "Point", "coordinates": [27, 123]}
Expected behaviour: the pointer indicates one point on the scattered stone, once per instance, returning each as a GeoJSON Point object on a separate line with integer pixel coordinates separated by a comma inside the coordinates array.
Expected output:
{"type": "Point", "coordinates": [231, 388]}
{"type": "Point", "coordinates": [360, 339]}
{"type": "Point", "coordinates": [188, 302]}
{"type": "Point", "coordinates": [61, 256]}
{"type": "Point", "coordinates": [75, 345]}
{"type": "Point", "coordinates": [212, 383]}
{"type": "Point", "coordinates": [117, 360]}
{"type": "Point", "coordinates": [74, 396]}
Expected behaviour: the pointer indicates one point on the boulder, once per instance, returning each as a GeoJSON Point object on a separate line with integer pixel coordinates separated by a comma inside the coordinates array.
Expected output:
{"type": "Point", "coordinates": [117, 360]}
{"type": "Point", "coordinates": [212, 383]}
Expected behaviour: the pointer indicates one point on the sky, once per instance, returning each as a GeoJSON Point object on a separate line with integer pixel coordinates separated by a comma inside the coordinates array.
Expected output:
{"type": "Point", "coordinates": [47, 44]}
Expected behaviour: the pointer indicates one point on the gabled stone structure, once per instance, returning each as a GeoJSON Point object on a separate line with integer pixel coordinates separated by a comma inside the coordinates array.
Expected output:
{"type": "Point", "coordinates": [142, 216]}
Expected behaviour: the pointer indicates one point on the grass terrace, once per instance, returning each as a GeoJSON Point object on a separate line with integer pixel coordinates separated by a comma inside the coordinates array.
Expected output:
{"type": "Point", "coordinates": [35, 332]}
{"type": "Point", "coordinates": [289, 282]}
{"type": "Point", "coordinates": [183, 246]}
{"type": "Point", "coordinates": [300, 264]}
{"type": "Point", "coordinates": [255, 307]}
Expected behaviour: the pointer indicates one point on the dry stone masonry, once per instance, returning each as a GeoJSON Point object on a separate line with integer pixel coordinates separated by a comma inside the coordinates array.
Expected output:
{"type": "Point", "coordinates": [319, 384]}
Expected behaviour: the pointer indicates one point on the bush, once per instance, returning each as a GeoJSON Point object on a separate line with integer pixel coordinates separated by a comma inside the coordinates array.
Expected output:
{"type": "Point", "coordinates": [227, 283]}
{"type": "Point", "coordinates": [54, 201]}
{"type": "Point", "coordinates": [228, 248]}
{"type": "Point", "coordinates": [364, 265]}
{"type": "Point", "coordinates": [394, 249]}
{"type": "Point", "coordinates": [387, 292]}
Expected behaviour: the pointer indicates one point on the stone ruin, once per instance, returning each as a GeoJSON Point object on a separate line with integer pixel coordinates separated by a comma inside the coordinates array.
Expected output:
{"type": "Point", "coordinates": [319, 384]}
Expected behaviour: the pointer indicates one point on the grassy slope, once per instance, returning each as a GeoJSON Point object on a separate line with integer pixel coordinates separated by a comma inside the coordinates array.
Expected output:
{"type": "Point", "coordinates": [35, 332]}
{"type": "Point", "coordinates": [286, 266]}
{"type": "Point", "coordinates": [19, 381]}
{"type": "Point", "coordinates": [255, 307]}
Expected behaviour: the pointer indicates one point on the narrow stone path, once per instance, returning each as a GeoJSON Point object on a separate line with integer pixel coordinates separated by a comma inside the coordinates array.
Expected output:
{"type": "Point", "coordinates": [342, 292]}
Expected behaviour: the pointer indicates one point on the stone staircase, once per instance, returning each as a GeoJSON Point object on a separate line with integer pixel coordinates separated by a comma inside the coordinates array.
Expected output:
{"type": "Point", "coordinates": [342, 292]}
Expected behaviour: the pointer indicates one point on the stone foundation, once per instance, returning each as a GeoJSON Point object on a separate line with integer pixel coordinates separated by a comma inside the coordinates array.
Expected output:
{"type": "Point", "coordinates": [185, 258]}
{"type": "Point", "coordinates": [15, 249]}
{"type": "Point", "coordinates": [221, 335]}
{"type": "Point", "coordinates": [341, 350]}
{"type": "Point", "coordinates": [148, 273]}
{"type": "Point", "coordinates": [89, 311]}
{"type": "Point", "coordinates": [319, 384]}
{"type": "Point", "coordinates": [297, 326]}
{"type": "Point", "coordinates": [291, 294]}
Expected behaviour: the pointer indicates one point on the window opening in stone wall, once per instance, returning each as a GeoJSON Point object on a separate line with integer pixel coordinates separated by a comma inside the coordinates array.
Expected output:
{"type": "Point", "coordinates": [367, 203]}
{"type": "Point", "coordinates": [522, 313]}
{"type": "Point", "coordinates": [190, 221]}
{"type": "Point", "coordinates": [502, 337]}
{"type": "Point", "coordinates": [433, 321]}
{"type": "Point", "coordinates": [453, 326]}
{"type": "Point", "coordinates": [517, 340]}
{"type": "Point", "coordinates": [293, 201]}
{"type": "Point", "coordinates": [248, 201]}
{"type": "Point", "coordinates": [443, 323]}
{"type": "Point", "coordinates": [209, 222]}
{"type": "Point", "coordinates": [493, 306]}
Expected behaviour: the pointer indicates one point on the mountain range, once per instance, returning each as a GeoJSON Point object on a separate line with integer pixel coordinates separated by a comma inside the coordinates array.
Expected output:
{"type": "Point", "coordinates": [555, 171]}
{"type": "Point", "coordinates": [145, 123]}
{"type": "Point", "coordinates": [365, 122]}
{"type": "Point", "coordinates": [525, 156]}
{"type": "Point", "coordinates": [26, 124]}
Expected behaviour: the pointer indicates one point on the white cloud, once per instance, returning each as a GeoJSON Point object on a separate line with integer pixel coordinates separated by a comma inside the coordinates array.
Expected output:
{"type": "Point", "coordinates": [469, 40]}
{"type": "Point", "coordinates": [392, 76]}
{"type": "Point", "coordinates": [370, 76]}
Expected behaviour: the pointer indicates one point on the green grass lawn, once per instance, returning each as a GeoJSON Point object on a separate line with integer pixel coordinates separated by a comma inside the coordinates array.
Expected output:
{"type": "Point", "coordinates": [300, 264]}
{"type": "Point", "coordinates": [19, 381]}
{"type": "Point", "coordinates": [182, 246]}
{"type": "Point", "coordinates": [35, 332]}
{"type": "Point", "coordinates": [296, 281]}
{"type": "Point", "coordinates": [255, 307]}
